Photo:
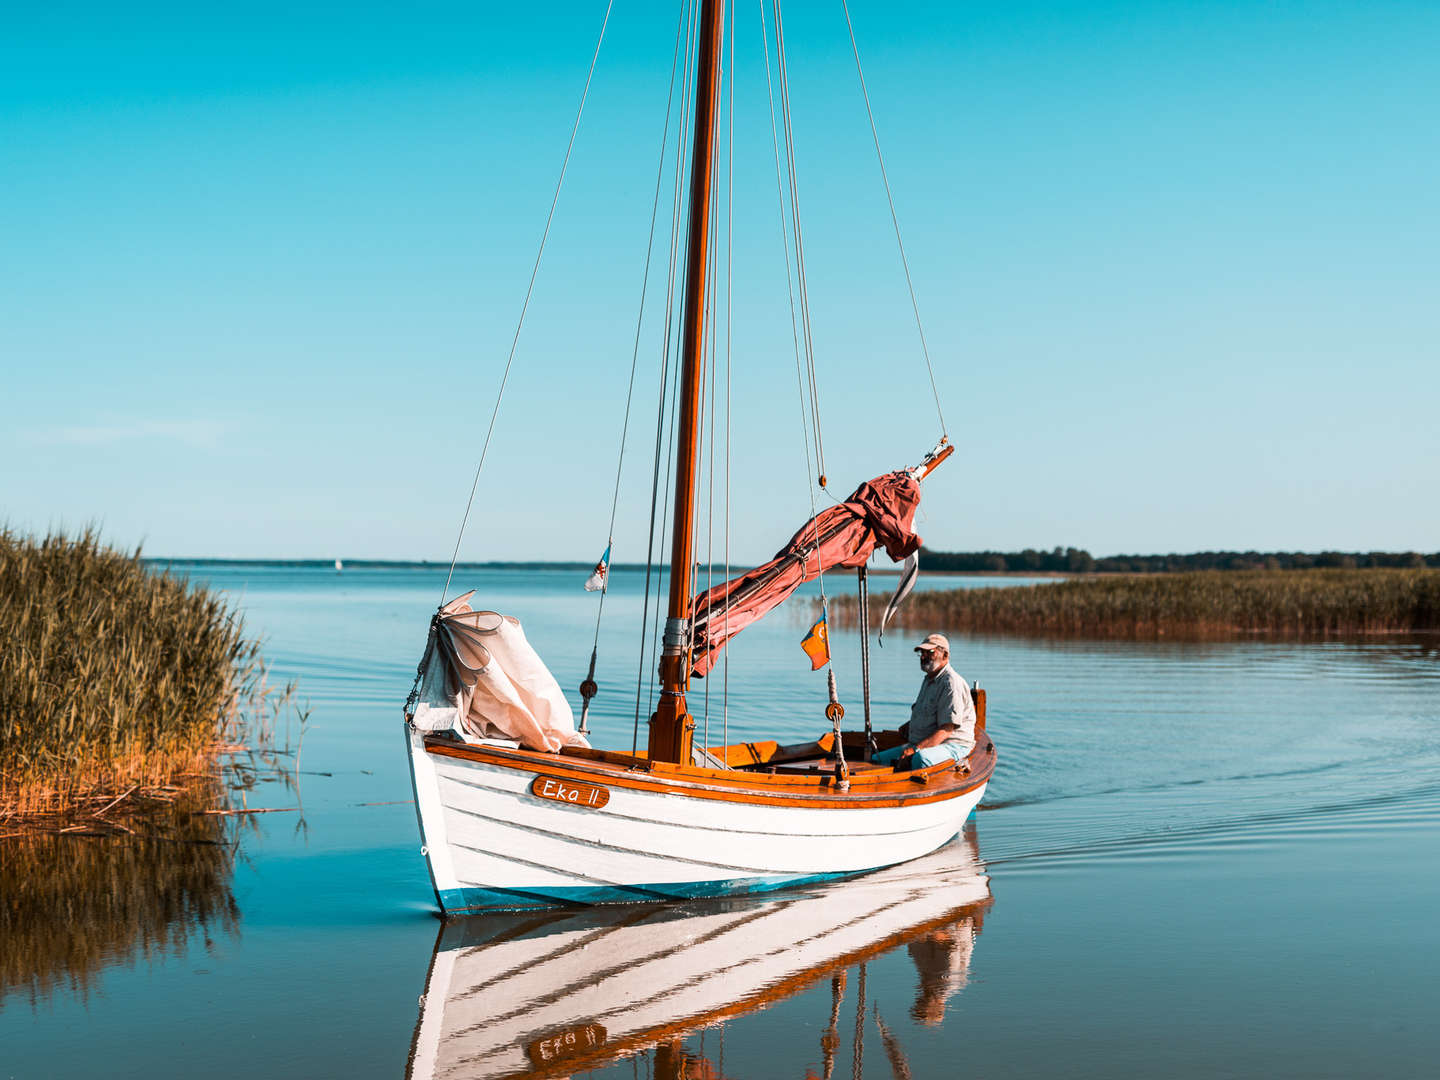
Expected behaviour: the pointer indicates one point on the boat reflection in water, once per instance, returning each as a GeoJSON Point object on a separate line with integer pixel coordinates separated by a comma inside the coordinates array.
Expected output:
{"type": "Point", "coordinates": [554, 994]}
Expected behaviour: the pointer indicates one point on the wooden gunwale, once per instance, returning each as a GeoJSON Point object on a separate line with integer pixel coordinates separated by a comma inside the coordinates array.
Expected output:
{"type": "Point", "coordinates": [867, 791]}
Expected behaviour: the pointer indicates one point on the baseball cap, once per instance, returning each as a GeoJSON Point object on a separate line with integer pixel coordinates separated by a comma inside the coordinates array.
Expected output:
{"type": "Point", "coordinates": [934, 641]}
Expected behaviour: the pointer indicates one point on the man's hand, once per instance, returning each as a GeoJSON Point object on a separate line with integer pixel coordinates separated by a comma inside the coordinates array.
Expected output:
{"type": "Point", "coordinates": [907, 752]}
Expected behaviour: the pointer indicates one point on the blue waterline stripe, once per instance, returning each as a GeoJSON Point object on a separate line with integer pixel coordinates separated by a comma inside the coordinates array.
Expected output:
{"type": "Point", "coordinates": [464, 900]}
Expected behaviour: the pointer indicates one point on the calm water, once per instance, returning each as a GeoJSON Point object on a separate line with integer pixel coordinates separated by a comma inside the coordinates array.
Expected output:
{"type": "Point", "coordinates": [1195, 860]}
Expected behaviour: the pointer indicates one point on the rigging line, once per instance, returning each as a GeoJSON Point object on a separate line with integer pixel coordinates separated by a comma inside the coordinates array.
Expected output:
{"type": "Point", "coordinates": [894, 218]}
{"type": "Point", "coordinates": [858, 1053]}
{"type": "Point", "coordinates": [707, 394]}
{"type": "Point", "coordinates": [713, 251]}
{"type": "Point", "coordinates": [707, 341]}
{"type": "Point", "coordinates": [729, 329]}
{"type": "Point", "coordinates": [798, 235]}
{"type": "Point", "coordinates": [525, 307]}
{"type": "Point", "coordinates": [650, 551]}
{"type": "Point", "coordinates": [649, 557]}
{"type": "Point", "coordinates": [802, 282]}
{"type": "Point", "coordinates": [799, 377]}
{"type": "Point", "coordinates": [666, 536]}
{"type": "Point", "coordinates": [640, 318]}
{"type": "Point", "coordinates": [785, 248]}
{"type": "Point", "coordinates": [707, 399]}
{"type": "Point", "coordinates": [690, 10]}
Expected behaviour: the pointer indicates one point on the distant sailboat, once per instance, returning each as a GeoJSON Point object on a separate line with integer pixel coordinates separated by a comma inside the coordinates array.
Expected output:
{"type": "Point", "coordinates": [339, 567]}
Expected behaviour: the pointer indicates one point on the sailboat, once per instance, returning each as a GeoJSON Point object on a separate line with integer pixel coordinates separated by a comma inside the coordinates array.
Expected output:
{"type": "Point", "coordinates": [517, 811]}
{"type": "Point", "coordinates": [560, 993]}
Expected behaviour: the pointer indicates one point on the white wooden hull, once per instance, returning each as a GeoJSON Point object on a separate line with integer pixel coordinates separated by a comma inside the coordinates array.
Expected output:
{"type": "Point", "coordinates": [492, 845]}
{"type": "Point", "coordinates": [540, 996]}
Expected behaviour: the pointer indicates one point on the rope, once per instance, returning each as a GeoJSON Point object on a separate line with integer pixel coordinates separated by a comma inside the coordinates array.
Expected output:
{"type": "Point", "coordinates": [666, 535]}
{"type": "Point", "coordinates": [726, 83]}
{"type": "Point", "coordinates": [685, 79]}
{"type": "Point", "coordinates": [894, 218]}
{"type": "Point", "coordinates": [708, 397]}
{"type": "Point", "coordinates": [800, 281]}
{"type": "Point", "coordinates": [588, 687]}
{"type": "Point", "coordinates": [525, 307]}
{"type": "Point", "coordinates": [640, 319]}
{"type": "Point", "coordinates": [785, 248]}
{"type": "Point", "coordinates": [858, 1053]}
{"type": "Point", "coordinates": [798, 236]}
{"type": "Point", "coordinates": [729, 334]}
{"type": "Point", "coordinates": [862, 578]}
{"type": "Point", "coordinates": [710, 457]}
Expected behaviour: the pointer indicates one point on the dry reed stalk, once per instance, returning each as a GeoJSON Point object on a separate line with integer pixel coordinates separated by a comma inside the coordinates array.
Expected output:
{"type": "Point", "coordinates": [114, 678]}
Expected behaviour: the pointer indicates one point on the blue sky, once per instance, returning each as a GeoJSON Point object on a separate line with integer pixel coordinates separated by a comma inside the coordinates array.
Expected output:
{"type": "Point", "coordinates": [1177, 264]}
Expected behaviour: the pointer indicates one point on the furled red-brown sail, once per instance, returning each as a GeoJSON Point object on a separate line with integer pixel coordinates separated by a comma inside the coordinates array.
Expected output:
{"type": "Point", "coordinates": [878, 514]}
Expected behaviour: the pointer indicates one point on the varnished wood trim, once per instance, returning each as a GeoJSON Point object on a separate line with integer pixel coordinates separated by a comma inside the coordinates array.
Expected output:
{"type": "Point", "coordinates": [942, 782]}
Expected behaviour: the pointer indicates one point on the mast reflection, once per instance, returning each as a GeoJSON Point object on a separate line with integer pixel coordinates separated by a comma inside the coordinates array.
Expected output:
{"type": "Point", "coordinates": [554, 994]}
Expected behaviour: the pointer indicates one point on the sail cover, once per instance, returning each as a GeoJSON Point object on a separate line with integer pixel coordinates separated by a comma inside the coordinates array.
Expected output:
{"type": "Point", "coordinates": [481, 673]}
{"type": "Point", "coordinates": [879, 514]}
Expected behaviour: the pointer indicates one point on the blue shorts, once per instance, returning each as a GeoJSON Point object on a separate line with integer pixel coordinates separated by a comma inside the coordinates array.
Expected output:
{"type": "Point", "coordinates": [951, 750]}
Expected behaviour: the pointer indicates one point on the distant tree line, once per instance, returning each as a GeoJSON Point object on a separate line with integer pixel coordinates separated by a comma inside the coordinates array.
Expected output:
{"type": "Point", "coordinates": [1203, 605]}
{"type": "Point", "coordinates": [1069, 560]}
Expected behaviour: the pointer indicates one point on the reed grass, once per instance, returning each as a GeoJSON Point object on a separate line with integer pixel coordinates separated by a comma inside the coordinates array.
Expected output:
{"type": "Point", "coordinates": [112, 676]}
{"type": "Point", "coordinates": [1301, 603]}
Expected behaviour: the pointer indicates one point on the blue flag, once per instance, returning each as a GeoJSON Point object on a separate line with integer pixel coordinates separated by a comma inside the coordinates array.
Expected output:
{"type": "Point", "coordinates": [600, 576]}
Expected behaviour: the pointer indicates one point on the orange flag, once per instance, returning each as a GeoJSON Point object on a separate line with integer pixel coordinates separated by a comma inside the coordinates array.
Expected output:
{"type": "Point", "coordinates": [817, 644]}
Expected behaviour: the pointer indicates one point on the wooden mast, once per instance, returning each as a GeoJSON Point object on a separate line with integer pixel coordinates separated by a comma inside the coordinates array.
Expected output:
{"type": "Point", "coordinates": [672, 728]}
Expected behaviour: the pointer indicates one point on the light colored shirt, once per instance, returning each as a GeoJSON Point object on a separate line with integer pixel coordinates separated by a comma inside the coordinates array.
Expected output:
{"type": "Point", "coordinates": [944, 699]}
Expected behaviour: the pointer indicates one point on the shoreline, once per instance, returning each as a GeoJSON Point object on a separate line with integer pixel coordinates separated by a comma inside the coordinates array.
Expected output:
{"type": "Point", "coordinates": [1211, 604]}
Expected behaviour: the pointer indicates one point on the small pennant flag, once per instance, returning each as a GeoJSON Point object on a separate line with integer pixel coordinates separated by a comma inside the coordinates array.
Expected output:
{"type": "Point", "coordinates": [817, 644]}
{"type": "Point", "coordinates": [600, 575]}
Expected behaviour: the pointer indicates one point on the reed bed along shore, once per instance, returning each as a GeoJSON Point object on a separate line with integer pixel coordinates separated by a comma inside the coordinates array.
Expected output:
{"type": "Point", "coordinates": [116, 682]}
{"type": "Point", "coordinates": [1299, 603]}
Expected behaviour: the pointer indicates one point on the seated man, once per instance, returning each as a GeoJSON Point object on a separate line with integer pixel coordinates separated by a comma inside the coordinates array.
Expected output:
{"type": "Point", "coordinates": [942, 720]}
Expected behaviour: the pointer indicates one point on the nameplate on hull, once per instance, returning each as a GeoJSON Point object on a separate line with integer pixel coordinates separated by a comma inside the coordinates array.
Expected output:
{"type": "Point", "coordinates": [570, 792]}
{"type": "Point", "coordinates": [571, 1042]}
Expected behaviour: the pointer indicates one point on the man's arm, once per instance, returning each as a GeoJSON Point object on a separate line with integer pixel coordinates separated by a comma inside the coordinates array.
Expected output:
{"type": "Point", "coordinates": [946, 710]}
{"type": "Point", "coordinates": [938, 736]}
{"type": "Point", "coordinates": [961, 705]}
